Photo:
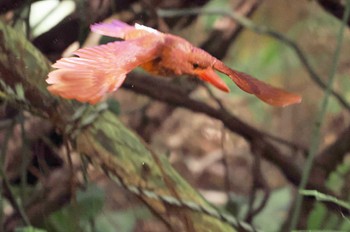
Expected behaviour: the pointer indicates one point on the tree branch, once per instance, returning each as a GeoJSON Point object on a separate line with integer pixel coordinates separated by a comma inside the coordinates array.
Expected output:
{"type": "Point", "coordinates": [52, 196]}
{"type": "Point", "coordinates": [7, 5]}
{"type": "Point", "coordinates": [333, 155]}
{"type": "Point", "coordinates": [108, 144]}
{"type": "Point", "coordinates": [219, 40]}
{"type": "Point", "coordinates": [164, 91]}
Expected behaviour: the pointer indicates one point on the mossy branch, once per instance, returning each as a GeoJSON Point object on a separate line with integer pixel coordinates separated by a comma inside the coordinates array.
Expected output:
{"type": "Point", "coordinates": [110, 145]}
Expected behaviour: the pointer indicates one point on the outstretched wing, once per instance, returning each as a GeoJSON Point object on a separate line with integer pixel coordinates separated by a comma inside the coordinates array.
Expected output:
{"type": "Point", "coordinates": [267, 93]}
{"type": "Point", "coordinates": [122, 30]}
{"type": "Point", "coordinates": [101, 69]}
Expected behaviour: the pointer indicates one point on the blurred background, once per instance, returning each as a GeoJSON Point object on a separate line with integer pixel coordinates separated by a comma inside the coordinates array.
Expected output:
{"type": "Point", "coordinates": [222, 163]}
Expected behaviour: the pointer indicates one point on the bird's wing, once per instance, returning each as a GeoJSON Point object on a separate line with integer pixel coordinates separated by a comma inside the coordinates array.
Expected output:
{"type": "Point", "coordinates": [101, 69]}
{"type": "Point", "coordinates": [122, 30]}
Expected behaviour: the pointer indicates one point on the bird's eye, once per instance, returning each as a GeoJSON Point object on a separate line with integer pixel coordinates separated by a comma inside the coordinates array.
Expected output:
{"type": "Point", "coordinates": [195, 65]}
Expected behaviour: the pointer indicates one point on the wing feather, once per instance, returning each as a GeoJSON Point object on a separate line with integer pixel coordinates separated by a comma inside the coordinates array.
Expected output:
{"type": "Point", "coordinates": [100, 70]}
{"type": "Point", "coordinates": [122, 30]}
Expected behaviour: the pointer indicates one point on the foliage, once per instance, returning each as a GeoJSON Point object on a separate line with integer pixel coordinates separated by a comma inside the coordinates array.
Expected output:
{"type": "Point", "coordinates": [29, 229]}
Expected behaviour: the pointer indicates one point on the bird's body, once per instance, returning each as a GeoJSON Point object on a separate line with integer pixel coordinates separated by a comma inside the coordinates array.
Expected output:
{"type": "Point", "coordinates": [102, 69]}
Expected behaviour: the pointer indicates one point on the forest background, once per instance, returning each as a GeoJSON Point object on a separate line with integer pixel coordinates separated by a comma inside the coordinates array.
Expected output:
{"type": "Point", "coordinates": [165, 154]}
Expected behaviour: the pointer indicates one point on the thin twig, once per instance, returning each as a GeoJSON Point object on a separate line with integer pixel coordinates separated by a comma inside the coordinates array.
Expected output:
{"type": "Point", "coordinates": [24, 158]}
{"type": "Point", "coordinates": [7, 136]}
{"type": "Point", "coordinates": [70, 162]}
{"type": "Point", "coordinates": [290, 144]}
{"type": "Point", "coordinates": [26, 20]}
{"type": "Point", "coordinates": [212, 95]}
{"type": "Point", "coordinates": [18, 207]}
{"type": "Point", "coordinates": [332, 155]}
{"type": "Point", "coordinates": [170, 94]}
{"type": "Point", "coordinates": [319, 121]}
{"type": "Point", "coordinates": [258, 179]}
{"type": "Point", "coordinates": [225, 162]}
{"type": "Point", "coordinates": [247, 23]}
{"type": "Point", "coordinates": [275, 138]}
{"type": "Point", "coordinates": [173, 95]}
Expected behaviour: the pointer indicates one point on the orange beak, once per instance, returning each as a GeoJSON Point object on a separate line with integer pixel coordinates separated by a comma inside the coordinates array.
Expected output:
{"type": "Point", "coordinates": [210, 76]}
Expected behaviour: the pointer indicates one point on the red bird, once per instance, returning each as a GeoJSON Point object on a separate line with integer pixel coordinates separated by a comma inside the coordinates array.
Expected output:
{"type": "Point", "coordinates": [102, 69]}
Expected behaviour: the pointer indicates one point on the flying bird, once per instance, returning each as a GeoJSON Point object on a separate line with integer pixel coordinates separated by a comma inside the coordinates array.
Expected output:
{"type": "Point", "coordinates": [102, 69]}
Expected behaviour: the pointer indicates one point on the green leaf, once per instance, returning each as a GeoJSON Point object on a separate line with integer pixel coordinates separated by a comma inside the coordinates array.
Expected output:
{"type": "Point", "coordinates": [90, 201]}
{"type": "Point", "coordinates": [336, 179]}
{"type": "Point", "coordinates": [326, 198]}
{"type": "Point", "coordinates": [87, 206]}
{"type": "Point", "coordinates": [121, 221]}
{"type": "Point", "coordinates": [113, 106]}
{"type": "Point", "coordinates": [316, 217]}
{"type": "Point", "coordinates": [29, 229]}
{"type": "Point", "coordinates": [20, 91]}
{"type": "Point", "coordinates": [276, 206]}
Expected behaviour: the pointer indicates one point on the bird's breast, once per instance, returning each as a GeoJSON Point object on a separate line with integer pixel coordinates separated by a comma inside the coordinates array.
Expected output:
{"type": "Point", "coordinates": [157, 68]}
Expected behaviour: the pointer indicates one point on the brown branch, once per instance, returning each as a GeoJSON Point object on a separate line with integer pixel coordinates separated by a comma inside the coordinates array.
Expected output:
{"type": "Point", "coordinates": [149, 14]}
{"type": "Point", "coordinates": [332, 155]}
{"type": "Point", "coordinates": [7, 5]}
{"type": "Point", "coordinates": [259, 181]}
{"type": "Point", "coordinates": [163, 91]}
{"type": "Point", "coordinates": [220, 40]}
{"type": "Point", "coordinates": [48, 199]}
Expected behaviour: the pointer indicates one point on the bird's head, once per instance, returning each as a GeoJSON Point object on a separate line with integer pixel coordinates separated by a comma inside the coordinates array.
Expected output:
{"type": "Point", "coordinates": [201, 64]}
{"type": "Point", "coordinates": [181, 57]}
